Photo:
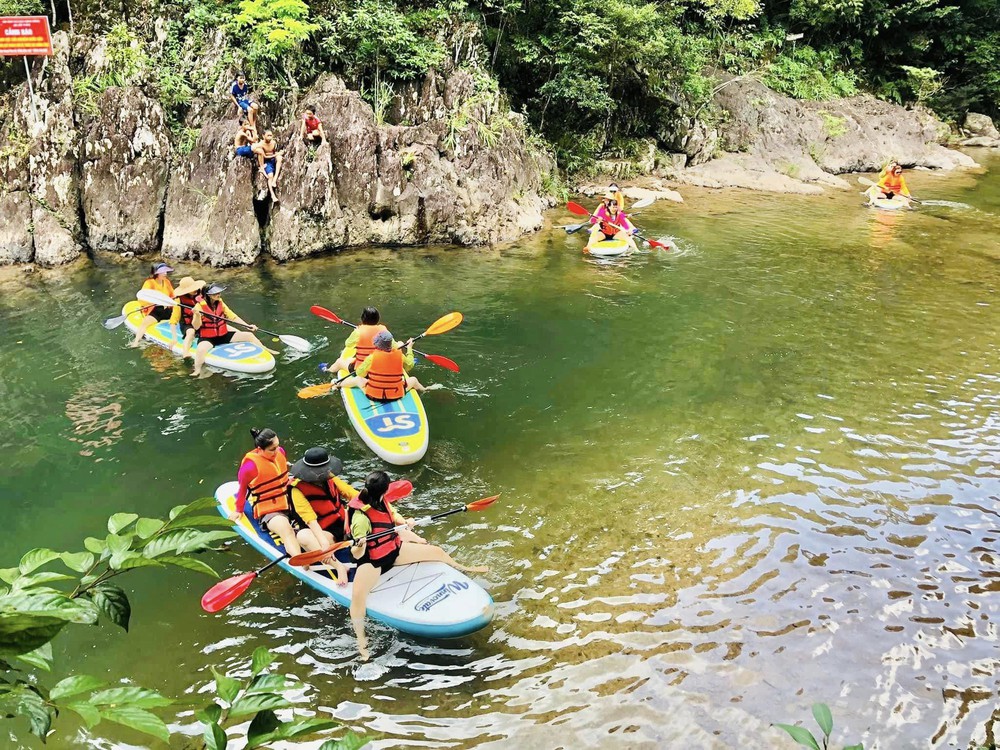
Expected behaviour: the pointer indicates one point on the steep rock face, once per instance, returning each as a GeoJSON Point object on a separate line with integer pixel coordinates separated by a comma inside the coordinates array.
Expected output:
{"type": "Point", "coordinates": [125, 165]}
{"type": "Point", "coordinates": [209, 215]}
{"type": "Point", "coordinates": [16, 238]}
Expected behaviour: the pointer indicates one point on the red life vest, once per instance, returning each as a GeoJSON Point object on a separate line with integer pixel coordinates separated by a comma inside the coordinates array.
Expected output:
{"type": "Point", "coordinates": [312, 124]}
{"type": "Point", "coordinates": [381, 520]}
{"type": "Point", "coordinates": [366, 345]}
{"type": "Point", "coordinates": [268, 492]}
{"type": "Point", "coordinates": [188, 315]}
{"type": "Point", "coordinates": [325, 501]}
{"type": "Point", "coordinates": [212, 327]}
{"type": "Point", "coordinates": [385, 376]}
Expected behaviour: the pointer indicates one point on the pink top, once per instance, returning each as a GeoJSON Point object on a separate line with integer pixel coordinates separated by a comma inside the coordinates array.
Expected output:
{"type": "Point", "coordinates": [248, 472]}
{"type": "Point", "coordinates": [602, 214]}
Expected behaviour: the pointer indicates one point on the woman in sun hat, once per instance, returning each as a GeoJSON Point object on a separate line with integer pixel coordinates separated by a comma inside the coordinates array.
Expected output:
{"type": "Point", "coordinates": [189, 294]}
{"type": "Point", "coordinates": [158, 282]}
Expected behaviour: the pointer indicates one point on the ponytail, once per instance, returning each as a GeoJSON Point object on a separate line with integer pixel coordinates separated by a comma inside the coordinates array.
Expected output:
{"type": "Point", "coordinates": [376, 485]}
{"type": "Point", "coordinates": [263, 438]}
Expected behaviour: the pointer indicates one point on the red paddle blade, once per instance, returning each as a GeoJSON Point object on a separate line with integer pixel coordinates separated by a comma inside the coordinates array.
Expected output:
{"type": "Point", "coordinates": [325, 314]}
{"type": "Point", "coordinates": [398, 489]}
{"type": "Point", "coordinates": [658, 245]}
{"type": "Point", "coordinates": [484, 503]}
{"type": "Point", "coordinates": [440, 361]}
{"type": "Point", "coordinates": [308, 558]}
{"type": "Point", "coordinates": [226, 592]}
{"type": "Point", "coordinates": [576, 208]}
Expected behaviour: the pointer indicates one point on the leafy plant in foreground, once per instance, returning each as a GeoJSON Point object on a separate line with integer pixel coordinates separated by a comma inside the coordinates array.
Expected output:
{"type": "Point", "coordinates": [821, 712]}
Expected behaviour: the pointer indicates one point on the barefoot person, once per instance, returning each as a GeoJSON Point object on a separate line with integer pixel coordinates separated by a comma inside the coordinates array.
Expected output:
{"type": "Point", "coordinates": [610, 223]}
{"type": "Point", "coordinates": [239, 92]}
{"type": "Point", "coordinates": [311, 131]}
{"type": "Point", "coordinates": [158, 282]}
{"type": "Point", "coordinates": [370, 513]}
{"type": "Point", "coordinates": [269, 160]}
{"type": "Point", "coordinates": [209, 322]}
{"type": "Point", "coordinates": [246, 136]}
{"type": "Point", "coordinates": [383, 375]}
{"type": "Point", "coordinates": [189, 293]}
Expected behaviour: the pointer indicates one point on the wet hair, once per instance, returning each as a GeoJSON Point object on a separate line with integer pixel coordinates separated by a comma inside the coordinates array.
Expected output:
{"type": "Point", "coordinates": [310, 108]}
{"type": "Point", "coordinates": [370, 316]}
{"type": "Point", "coordinates": [375, 487]}
{"type": "Point", "coordinates": [263, 438]}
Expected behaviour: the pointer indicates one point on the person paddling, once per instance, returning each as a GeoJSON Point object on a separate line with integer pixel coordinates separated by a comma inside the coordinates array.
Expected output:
{"type": "Point", "coordinates": [360, 343]}
{"type": "Point", "coordinates": [610, 223]}
{"type": "Point", "coordinates": [370, 513]}
{"type": "Point", "coordinates": [383, 375]}
{"type": "Point", "coordinates": [158, 282]}
{"type": "Point", "coordinates": [264, 482]}
{"type": "Point", "coordinates": [891, 183]}
{"type": "Point", "coordinates": [189, 293]}
{"type": "Point", "coordinates": [211, 327]}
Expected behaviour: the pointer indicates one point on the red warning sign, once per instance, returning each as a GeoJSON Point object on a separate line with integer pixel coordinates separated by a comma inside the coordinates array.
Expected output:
{"type": "Point", "coordinates": [24, 35]}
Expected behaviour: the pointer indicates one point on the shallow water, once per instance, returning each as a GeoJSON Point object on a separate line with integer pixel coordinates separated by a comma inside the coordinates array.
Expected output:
{"type": "Point", "coordinates": [739, 478]}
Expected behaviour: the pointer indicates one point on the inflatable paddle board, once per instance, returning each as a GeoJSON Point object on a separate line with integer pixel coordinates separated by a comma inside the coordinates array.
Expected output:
{"type": "Point", "coordinates": [890, 204]}
{"type": "Point", "coordinates": [428, 599]}
{"type": "Point", "coordinates": [241, 356]}
{"type": "Point", "coordinates": [397, 431]}
{"type": "Point", "coordinates": [607, 248]}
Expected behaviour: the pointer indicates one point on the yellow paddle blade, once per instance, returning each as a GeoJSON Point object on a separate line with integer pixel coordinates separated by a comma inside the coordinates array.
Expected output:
{"type": "Point", "coordinates": [444, 323]}
{"type": "Point", "coordinates": [312, 391]}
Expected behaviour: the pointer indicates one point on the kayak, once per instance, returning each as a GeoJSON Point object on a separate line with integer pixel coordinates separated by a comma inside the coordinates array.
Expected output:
{"type": "Point", "coordinates": [241, 356]}
{"type": "Point", "coordinates": [428, 599]}
{"type": "Point", "coordinates": [607, 248]}
{"type": "Point", "coordinates": [396, 431]}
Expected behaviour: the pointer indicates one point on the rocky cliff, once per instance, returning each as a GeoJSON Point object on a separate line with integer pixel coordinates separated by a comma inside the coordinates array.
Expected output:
{"type": "Point", "coordinates": [106, 174]}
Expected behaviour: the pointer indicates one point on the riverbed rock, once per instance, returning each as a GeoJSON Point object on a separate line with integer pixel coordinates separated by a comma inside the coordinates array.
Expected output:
{"type": "Point", "coordinates": [981, 141]}
{"type": "Point", "coordinates": [981, 125]}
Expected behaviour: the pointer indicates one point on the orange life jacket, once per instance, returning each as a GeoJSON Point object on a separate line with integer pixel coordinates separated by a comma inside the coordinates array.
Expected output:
{"type": "Point", "coordinates": [269, 489]}
{"type": "Point", "coordinates": [163, 287]}
{"type": "Point", "coordinates": [326, 501]}
{"type": "Point", "coordinates": [381, 520]}
{"type": "Point", "coordinates": [212, 327]}
{"type": "Point", "coordinates": [385, 376]}
{"type": "Point", "coordinates": [891, 183]}
{"type": "Point", "coordinates": [366, 345]}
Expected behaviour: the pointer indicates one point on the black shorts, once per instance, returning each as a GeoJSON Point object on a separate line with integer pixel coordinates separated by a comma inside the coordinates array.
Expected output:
{"type": "Point", "coordinates": [185, 328]}
{"type": "Point", "coordinates": [383, 563]}
{"type": "Point", "coordinates": [220, 340]}
{"type": "Point", "coordinates": [159, 314]}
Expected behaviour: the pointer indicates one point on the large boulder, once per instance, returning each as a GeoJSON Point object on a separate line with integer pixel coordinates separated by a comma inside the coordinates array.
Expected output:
{"type": "Point", "coordinates": [981, 125]}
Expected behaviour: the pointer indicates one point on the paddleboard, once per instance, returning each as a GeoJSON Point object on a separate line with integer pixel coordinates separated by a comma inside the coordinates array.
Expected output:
{"type": "Point", "coordinates": [428, 599]}
{"type": "Point", "coordinates": [889, 204]}
{"type": "Point", "coordinates": [607, 248]}
{"type": "Point", "coordinates": [397, 431]}
{"type": "Point", "coordinates": [240, 356]}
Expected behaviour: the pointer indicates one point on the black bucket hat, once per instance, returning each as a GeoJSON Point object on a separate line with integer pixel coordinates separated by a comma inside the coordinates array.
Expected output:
{"type": "Point", "coordinates": [316, 465]}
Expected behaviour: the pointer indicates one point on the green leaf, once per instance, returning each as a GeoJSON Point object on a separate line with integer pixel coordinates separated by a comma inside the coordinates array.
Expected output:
{"type": "Point", "coordinates": [183, 541]}
{"type": "Point", "coordinates": [859, 746]}
{"type": "Point", "coordinates": [210, 714]}
{"type": "Point", "coordinates": [251, 704]}
{"type": "Point", "coordinates": [146, 527]}
{"type": "Point", "coordinates": [113, 603]}
{"type": "Point", "coordinates": [130, 560]}
{"type": "Point", "coordinates": [81, 562]}
{"type": "Point", "coordinates": [119, 544]}
{"type": "Point", "coordinates": [799, 734]}
{"type": "Point", "coordinates": [87, 712]}
{"type": "Point", "coordinates": [31, 705]}
{"type": "Point", "coordinates": [139, 697]}
{"type": "Point", "coordinates": [202, 503]}
{"type": "Point", "coordinates": [294, 729]}
{"type": "Point", "coordinates": [262, 659]}
{"type": "Point", "coordinates": [119, 521]}
{"type": "Point", "coordinates": [44, 603]}
{"type": "Point", "coordinates": [270, 683]}
{"type": "Point", "coordinates": [36, 558]}
{"type": "Point", "coordinates": [187, 522]}
{"type": "Point", "coordinates": [37, 579]}
{"type": "Point", "coordinates": [349, 741]}
{"type": "Point", "coordinates": [33, 633]}
{"type": "Point", "coordinates": [261, 728]}
{"type": "Point", "coordinates": [41, 657]}
{"type": "Point", "coordinates": [138, 719]}
{"type": "Point", "coordinates": [190, 564]}
{"type": "Point", "coordinates": [226, 686]}
{"type": "Point", "coordinates": [215, 737]}
{"type": "Point", "coordinates": [821, 712]}
{"type": "Point", "coordinates": [97, 546]}
{"type": "Point", "coordinates": [9, 575]}
{"type": "Point", "coordinates": [74, 685]}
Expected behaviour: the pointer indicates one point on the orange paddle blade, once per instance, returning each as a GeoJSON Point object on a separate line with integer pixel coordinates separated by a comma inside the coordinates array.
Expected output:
{"type": "Point", "coordinates": [312, 391]}
{"type": "Point", "coordinates": [444, 323]}
{"type": "Point", "coordinates": [484, 503]}
{"type": "Point", "coordinates": [308, 558]}
{"type": "Point", "coordinates": [226, 592]}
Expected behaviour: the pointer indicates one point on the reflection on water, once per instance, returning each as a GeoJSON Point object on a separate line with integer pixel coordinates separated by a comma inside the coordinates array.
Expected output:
{"type": "Point", "coordinates": [753, 474]}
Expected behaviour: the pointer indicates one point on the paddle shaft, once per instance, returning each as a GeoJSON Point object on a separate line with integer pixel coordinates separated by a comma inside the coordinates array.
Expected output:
{"type": "Point", "coordinates": [415, 338]}
{"type": "Point", "coordinates": [228, 320]}
{"type": "Point", "coordinates": [871, 183]}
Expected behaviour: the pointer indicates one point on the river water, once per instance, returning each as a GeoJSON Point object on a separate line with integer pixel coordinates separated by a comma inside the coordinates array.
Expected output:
{"type": "Point", "coordinates": [739, 478]}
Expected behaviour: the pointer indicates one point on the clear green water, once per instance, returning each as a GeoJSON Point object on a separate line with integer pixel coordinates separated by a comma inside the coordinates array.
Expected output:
{"type": "Point", "coordinates": [754, 474]}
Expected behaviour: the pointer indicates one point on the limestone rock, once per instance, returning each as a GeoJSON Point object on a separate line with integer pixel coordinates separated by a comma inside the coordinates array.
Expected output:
{"type": "Point", "coordinates": [981, 125]}
{"type": "Point", "coordinates": [981, 141]}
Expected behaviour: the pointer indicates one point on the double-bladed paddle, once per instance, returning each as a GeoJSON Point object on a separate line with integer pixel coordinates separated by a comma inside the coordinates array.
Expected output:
{"type": "Point", "coordinates": [157, 298]}
{"type": "Point", "coordinates": [870, 183]}
{"type": "Point", "coordinates": [442, 325]}
{"type": "Point", "coordinates": [308, 558]}
{"type": "Point", "coordinates": [579, 210]}
{"type": "Point", "coordinates": [225, 592]}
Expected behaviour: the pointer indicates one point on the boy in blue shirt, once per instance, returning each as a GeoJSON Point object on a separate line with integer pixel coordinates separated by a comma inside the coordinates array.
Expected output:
{"type": "Point", "coordinates": [239, 92]}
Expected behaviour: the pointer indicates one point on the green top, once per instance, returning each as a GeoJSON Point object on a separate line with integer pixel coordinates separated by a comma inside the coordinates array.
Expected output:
{"type": "Point", "coordinates": [365, 366]}
{"type": "Point", "coordinates": [352, 342]}
{"type": "Point", "coordinates": [361, 526]}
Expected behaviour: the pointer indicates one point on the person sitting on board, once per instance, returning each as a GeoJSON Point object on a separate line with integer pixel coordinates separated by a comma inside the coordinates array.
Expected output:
{"type": "Point", "coordinates": [239, 92]}
{"type": "Point", "coordinates": [264, 481]}
{"type": "Point", "coordinates": [188, 292]}
{"type": "Point", "coordinates": [370, 513]}
{"type": "Point", "coordinates": [158, 282]}
{"type": "Point", "coordinates": [613, 224]}
{"type": "Point", "coordinates": [891, 183]}
{"type": "Point", "coordinates": [359, 344]}
{"type": "Point", "coordinates": [209, 322]}
{"type": "Point", "coordinates": [269, 160]}
{"type": "Point", "coordinates": [312, 129]}
{"type": "Point", "coordinates": [246, 136]}
{"type": "Point", "coordinates": [383, 375]}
